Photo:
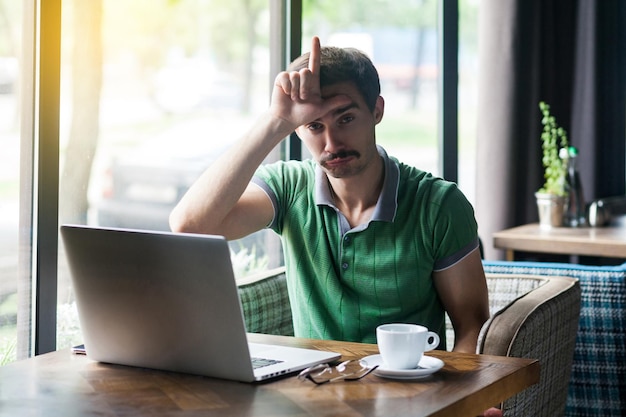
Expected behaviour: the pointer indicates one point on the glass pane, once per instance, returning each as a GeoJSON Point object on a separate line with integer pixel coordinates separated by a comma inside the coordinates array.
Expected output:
{"type": "Point", "coordinates": [10, 302]}
{"type": "Point", "coordinates": [152, 92]}
{"type": "Point", "coordinates": [402, 43]}
{"type": "Point", "coordinates": [468, 95]}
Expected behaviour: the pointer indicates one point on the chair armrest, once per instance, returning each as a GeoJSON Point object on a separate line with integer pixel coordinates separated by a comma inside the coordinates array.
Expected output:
{"type": "Point", "coordinates": [542, 324]}
{"type": "Point", "coordinates": [497, 336]}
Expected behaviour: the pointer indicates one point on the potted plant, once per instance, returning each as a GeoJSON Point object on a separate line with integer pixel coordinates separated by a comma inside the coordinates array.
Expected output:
{"type": "Point", "coordinates": [551, 196]}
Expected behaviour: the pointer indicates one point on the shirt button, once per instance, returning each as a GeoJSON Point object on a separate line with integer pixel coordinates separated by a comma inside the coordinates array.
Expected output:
{"type": "Point", "coordinates": [344, 265]}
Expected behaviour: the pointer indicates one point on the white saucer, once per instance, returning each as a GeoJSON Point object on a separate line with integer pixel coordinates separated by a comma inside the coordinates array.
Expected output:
{"type": "Point", "coordinates": [427, 366]}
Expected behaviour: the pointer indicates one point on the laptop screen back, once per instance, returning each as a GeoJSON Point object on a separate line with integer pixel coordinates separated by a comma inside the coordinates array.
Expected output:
{"type": "Point", "coordinates": [158, 300]}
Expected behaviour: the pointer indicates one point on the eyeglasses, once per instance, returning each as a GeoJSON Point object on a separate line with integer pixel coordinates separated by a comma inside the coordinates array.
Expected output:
{"type": "Point", "coordinates": [350, 370]}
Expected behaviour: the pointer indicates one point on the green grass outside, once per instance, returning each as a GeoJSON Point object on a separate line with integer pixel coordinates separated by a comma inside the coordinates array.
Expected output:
{"type": "Point", "coordinates": [9, 189]}
{"type": "Point", "coordinates": [414, 128]}
{"type": "Point", "coordinates": [420, 129]}
{"type": "Point", "coordinates": [8, 332]}
{"type": "Point", "coordinates": [9, 305]}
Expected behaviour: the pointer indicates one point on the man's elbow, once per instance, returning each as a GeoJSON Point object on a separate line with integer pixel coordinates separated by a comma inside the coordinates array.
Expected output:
{"type": "Point", "coordinates": [179, 223]}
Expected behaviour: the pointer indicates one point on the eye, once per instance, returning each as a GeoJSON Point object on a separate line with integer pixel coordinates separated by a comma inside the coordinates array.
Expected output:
{"type": "Point", "coordinates": [314, 126]}
{"type": "Point", "coordinates": [346, 119]}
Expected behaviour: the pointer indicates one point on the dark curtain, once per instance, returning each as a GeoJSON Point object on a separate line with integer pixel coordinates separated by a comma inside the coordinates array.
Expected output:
{"type": "Point", "coordinates": [570, 54]}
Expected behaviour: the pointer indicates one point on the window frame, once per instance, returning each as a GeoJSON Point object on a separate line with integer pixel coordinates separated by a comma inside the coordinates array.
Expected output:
{"type": "Point", "coordinates": [39, 177]}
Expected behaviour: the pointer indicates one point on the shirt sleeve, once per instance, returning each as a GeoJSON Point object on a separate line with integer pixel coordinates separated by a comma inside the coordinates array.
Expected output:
{"type": "Point", "coordinates": [283, 182]}
{"type": "Point", "coordinates": [454, 227]}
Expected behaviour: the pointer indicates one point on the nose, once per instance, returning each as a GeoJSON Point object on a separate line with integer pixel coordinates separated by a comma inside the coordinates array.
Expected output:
{"type": "Point", "coordinates": [332, 141]}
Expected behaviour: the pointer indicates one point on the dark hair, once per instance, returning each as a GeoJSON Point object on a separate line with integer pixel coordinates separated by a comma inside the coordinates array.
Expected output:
{"type": "Point", "coordinates": [345, 64]}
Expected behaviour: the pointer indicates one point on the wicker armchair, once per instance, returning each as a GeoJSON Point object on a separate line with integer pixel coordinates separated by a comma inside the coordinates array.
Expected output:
{"type": "Point", "coordinates": [598, 380]}
{"type": "Point", "coordinates": [534, 317]}
{"type": "Point", "coordinates": [265, 303]}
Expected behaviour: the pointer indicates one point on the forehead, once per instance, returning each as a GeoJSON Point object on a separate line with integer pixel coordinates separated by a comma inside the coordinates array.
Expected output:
{"type": "Point", "coordinates": [347, 88]}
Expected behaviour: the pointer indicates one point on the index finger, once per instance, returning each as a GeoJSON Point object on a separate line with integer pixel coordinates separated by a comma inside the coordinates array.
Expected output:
{"type": "Point", "coordinates": [314, 56]}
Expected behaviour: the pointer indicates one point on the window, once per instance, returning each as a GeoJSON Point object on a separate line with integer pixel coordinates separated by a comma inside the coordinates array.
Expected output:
{"type": "Point", "coordinates": [468, 95]}
{"type": "Point", "coordinates": [402, 44]}
{"type": "Point", "coordinates": [123, 108]}
{"type": "Point", "coordinates": [151, 93]}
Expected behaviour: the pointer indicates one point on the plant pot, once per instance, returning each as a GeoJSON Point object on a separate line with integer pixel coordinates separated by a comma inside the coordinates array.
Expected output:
{"type": "Point", "coordinates": [551, 208]}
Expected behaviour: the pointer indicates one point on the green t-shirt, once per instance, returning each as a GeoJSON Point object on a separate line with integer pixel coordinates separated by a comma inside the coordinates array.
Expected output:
{"type": "Point", "coordinates": [344, 282]}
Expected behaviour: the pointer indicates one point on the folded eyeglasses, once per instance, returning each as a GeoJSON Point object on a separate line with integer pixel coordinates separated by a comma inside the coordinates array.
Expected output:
{"type": "Point", "coordinates": [350, 370]}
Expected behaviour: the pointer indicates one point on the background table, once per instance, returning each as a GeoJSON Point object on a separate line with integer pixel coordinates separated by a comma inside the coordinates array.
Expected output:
{"type": "Point", "coordinates": [63, 384]}
{"type": "Point", "coordinates": [608, 241]}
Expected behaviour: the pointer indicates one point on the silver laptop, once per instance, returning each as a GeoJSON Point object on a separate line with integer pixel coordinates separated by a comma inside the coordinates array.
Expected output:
{"type": "Point", "coordinates": [168, 301]}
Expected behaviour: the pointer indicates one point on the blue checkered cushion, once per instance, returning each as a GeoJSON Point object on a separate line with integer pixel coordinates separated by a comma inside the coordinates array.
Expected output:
{"type": "Point", "coordinates": [598, 378]}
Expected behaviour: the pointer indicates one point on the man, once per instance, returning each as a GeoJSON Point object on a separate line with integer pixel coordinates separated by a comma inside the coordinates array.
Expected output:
{"type": "Point", "coordinates": [367, 240]}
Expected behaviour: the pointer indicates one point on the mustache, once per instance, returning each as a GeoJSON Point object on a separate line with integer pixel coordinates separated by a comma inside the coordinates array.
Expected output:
{"type": "Point", "coordinates": [340, 154]}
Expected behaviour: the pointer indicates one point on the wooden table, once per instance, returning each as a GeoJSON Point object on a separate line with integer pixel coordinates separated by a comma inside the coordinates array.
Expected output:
{"type": "Point", "coordinates": [609, 241]}
{"type": "Point", "coordinates": [63, 384]}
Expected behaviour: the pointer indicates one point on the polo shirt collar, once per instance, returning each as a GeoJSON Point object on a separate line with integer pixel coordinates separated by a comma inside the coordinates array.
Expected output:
{"type": "Point", "coordinates": [387, 203]}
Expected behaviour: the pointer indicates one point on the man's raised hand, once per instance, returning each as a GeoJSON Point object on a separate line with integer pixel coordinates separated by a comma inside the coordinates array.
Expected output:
{"type": "Point", "coordinates": [297, 98]}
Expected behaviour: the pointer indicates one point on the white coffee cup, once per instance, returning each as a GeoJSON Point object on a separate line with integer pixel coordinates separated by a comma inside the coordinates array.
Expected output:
{"type": "Point", "coordinates": [402, 345]}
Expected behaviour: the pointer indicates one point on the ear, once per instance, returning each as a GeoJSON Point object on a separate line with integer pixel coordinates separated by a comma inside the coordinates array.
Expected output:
{"type": "Point", "coordinates": [379, 109]}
